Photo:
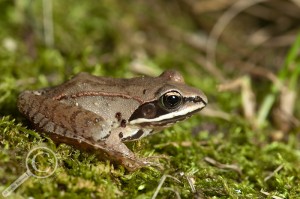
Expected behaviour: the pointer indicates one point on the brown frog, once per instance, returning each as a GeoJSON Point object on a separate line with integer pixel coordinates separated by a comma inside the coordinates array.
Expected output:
{"type": "Point", "coordinates": [102, 113]}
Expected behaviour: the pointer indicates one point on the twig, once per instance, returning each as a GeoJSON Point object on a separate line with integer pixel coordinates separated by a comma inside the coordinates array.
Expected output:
{"type": "Point", "coordinates": [273, 173]}
{"type": "Point", "coordinates": [268, 194]}
{"type": "Point", "coordinates": [191, 183]}
{"type": "Point", "coordinates": [48, 22]}
{"type": "Point", "coordinates": [161, 182]}
{"type": "Point", "coordinates": [223, 166]}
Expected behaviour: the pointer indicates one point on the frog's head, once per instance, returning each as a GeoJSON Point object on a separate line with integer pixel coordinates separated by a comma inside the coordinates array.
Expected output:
{"type": "Point", "coordinates": [173, 101]}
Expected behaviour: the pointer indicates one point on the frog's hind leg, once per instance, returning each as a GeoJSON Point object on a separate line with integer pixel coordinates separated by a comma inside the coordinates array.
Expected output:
{"type": "Point", "coordinates": [76, 126]}
{"type": "Point", "coordinates": [55, 117]}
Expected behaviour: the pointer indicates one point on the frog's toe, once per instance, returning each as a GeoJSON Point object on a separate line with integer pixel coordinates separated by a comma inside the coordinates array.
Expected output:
{"type": "Point", "coordinates": [154, 164]}
{"type": "Point", "coordinates": [132, 164]}
{"type": "Point", "coordinates": [154, 161]}
{"type": "Point", "coordinates": [138, 163]}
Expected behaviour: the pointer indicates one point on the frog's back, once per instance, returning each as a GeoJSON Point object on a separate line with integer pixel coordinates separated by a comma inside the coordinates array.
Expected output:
{"type": "Point", "coordinates": [141, 88]}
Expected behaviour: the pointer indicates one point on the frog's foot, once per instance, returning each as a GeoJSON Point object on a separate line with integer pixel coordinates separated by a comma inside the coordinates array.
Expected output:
{"type": "Point", "coordinates": [118, 152]}
{"type": "Point", "coordinates": [137, 163]}
{"type": "Point", "coordinates": [154, 161]}
{"type": "Point", "coordinates": [132, 163]}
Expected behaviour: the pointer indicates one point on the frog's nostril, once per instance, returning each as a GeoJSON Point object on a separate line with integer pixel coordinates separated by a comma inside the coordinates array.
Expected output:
{"type": "Point", "coordinates": [200, 99]}
{"type": "Point", "coordinates": [197, 99]}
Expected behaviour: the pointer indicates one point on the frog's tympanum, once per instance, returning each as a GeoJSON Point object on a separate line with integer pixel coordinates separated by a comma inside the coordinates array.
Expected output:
{"type": "Point", "coordinates": [102, 113]}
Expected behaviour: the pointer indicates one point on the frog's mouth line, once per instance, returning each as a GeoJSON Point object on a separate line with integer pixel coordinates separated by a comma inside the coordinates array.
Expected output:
{"type": "Point", "coordinates": [167, 120]}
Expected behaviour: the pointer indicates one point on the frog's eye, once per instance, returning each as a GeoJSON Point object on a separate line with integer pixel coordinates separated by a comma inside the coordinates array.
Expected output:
{"type": "Point", "coordinates": [171, 100]}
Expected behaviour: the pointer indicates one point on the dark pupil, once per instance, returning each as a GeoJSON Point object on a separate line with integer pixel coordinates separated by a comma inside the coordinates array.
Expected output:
{"type": "Point", "coordinates": [171, 100]}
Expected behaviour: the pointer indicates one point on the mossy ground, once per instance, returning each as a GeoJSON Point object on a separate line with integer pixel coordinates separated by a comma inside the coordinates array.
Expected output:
{"type": "Point", "coordinates": [93, 37]}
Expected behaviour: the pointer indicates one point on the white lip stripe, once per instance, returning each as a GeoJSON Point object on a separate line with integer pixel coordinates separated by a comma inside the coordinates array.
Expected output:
{"type": "Point", "coordinates": [169, 115]}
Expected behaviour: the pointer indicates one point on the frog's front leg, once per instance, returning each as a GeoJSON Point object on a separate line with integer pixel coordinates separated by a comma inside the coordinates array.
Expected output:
{"type": "Point", "coordinates": [119, 152]}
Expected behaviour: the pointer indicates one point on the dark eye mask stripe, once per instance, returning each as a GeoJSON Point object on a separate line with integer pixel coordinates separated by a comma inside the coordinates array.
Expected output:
{"type": "Point", "coordinates": [196, 99]}
{"type": "Point", "coordinates": [160, 110]}
{"type": "Point", "coordinates": [170, 120]}
{"type": "Point", "coordinates": [138, 113]}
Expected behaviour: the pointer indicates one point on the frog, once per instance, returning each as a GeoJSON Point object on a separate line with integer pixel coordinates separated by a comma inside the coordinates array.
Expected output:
{"type": "Point", "coordinates": [100, 114]}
